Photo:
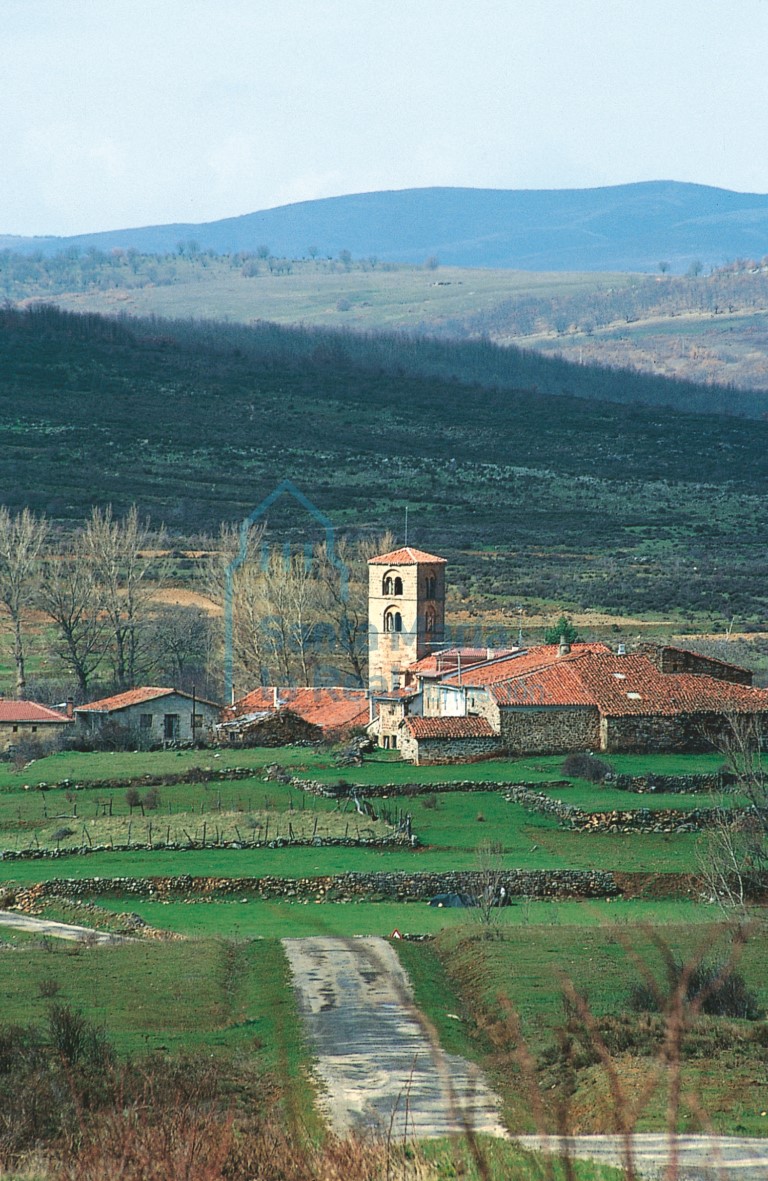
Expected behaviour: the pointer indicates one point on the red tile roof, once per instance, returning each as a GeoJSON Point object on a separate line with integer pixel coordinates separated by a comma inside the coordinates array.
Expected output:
{"type": "Point", "coordinates": [618, 686]}
{"type": "Point", "coordinates": [136, 697]}
{"type": "Point", "coordinates": [407, 556]}
{"type": "Point", "coordinates": [328, 708]}
{"type": "Point", "coordinates": [624, 685]}
{"type": "Point", "coordinates": [553, 685]}
{"type": "Point", "coordinates": [122, 700]}
{"type": "Point", "coordinates": [13, 712]}
{"type": "Point", "coordinates": [471, 727]}
{"type": "Point", "coordinates": [527, 660]}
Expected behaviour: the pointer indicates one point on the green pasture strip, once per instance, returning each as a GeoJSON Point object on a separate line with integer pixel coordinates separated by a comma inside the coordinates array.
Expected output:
{"type": "Point", "coordinates": [81, 767]}
{"type": "Point", "coordinates": [255, 919]}
{"type": "Point", "coordinates": [451, 833]}
{"type": "Point", "coordinates": [169, 996]}
{"type": "Point", "coordinates": [318, 763]}
{"type": "Point", "coordinates": [376, 770]}
{"type": "Point", "coordinates": [596, 798]}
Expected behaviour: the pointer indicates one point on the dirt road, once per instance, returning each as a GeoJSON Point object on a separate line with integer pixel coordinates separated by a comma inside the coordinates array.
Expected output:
{"type": "Point", "coordinates": [24, 922]}
{"type": "Point", "coordinates": [380, 1067]}
{"type": "Point", "coordinates": [699, 1158]}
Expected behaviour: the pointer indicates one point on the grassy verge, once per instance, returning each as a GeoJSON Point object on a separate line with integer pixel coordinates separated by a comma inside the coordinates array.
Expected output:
{"type": "Point", "coordinates": [721, 1059]}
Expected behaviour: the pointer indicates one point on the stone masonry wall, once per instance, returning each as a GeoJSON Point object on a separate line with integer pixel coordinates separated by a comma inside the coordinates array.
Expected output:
{"type": "Point", "coordinates": [401, 887]}
{"type": "Point", "coordinates": [429, 751]}
{"type": "Point", "coordinates": [541, 731]}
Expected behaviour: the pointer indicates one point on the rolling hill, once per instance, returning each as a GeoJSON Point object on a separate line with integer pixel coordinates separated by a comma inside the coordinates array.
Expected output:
{"type": "Point", "coordinates": [623, 227]}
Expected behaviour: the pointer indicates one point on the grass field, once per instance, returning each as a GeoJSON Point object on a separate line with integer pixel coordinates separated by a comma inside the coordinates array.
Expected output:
{"type": "Point", "coordinates": [450, 825]}
{"type": "Point", "coordinates": [276, 920]}
{"type": "Point", "coordinates": [382, 767]}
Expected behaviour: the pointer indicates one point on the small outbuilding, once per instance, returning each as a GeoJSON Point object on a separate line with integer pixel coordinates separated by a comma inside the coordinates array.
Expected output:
{"type": "Point", "coordinates": [26, 721]}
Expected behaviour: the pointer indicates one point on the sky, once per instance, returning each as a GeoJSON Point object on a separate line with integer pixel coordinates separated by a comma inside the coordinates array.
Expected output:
{"type": "Point", "coordinates": [118, 113]}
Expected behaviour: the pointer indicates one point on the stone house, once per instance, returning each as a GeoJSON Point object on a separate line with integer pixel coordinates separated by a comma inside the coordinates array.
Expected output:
{"type": "Point", "coordinates": [157, 716]}
{"type": "Point", "coordinates": [462, 704]}
{"type": "Point", "coordinates": [26, 721]}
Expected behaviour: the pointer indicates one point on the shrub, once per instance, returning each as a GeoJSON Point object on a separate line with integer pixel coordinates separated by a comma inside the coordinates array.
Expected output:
{"type": "Point", "coordinates": [152, 800]}
{"type": "Point", "coordinates": [716, 989]}
{"type": "Point", "coordinates": [580, 765]}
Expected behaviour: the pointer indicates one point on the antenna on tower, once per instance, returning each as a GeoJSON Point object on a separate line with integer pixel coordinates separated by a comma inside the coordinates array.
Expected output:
{"type": "Point", "coordinates": [406, 525]}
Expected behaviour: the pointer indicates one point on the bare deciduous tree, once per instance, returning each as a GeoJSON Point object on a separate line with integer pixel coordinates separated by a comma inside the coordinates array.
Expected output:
{"type": "Point", "coordinates": [22, 538]}
{"type": "Point", "coordinates": [69, 595]}
{"type": "Point", "coordinates": [121, 555]}
{"type": "Point", "coordinates": [733, 853]}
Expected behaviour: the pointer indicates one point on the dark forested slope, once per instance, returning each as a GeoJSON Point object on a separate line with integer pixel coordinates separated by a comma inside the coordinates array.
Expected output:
{"type": "Point", "coordinates": [620, 505]}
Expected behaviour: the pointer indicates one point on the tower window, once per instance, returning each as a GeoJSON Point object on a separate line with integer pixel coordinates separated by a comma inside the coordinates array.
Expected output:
{"type": "Point", "coordinates": [429, 621]}
{"type": "Point", "coordinates": [393, 621]}
{"type": "Point", "coordinates": [392, 585]}
{"type": "Point", "coordinates": [430, 586]}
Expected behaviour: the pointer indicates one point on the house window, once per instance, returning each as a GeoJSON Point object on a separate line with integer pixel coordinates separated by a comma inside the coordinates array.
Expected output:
{"type": "Point", "coordinates": [393, 621]}
{"type": "Point", "coordinates": [34, 729]}
{"type": "Point", "coordinates": [197, 721]}
{"type": "Point", "coordinates": [15, 729]}
{"type": "Point", "coordinates": [145, 721]}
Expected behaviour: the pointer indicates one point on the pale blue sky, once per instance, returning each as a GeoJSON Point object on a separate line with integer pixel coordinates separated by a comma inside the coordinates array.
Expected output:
{"type": "Point", "coordinates": [118, 113]}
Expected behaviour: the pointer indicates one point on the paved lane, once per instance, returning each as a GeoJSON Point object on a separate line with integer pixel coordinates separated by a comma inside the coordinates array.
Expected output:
{"type": "Point", "coordinates": [380, 1067]}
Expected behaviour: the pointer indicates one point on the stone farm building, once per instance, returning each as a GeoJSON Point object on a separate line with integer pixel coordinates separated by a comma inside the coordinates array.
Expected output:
{"type": "Point", "coordinates": [439, 704]}
{"type": "Point", "coordinates": [274, 716]}
{"type": "Point", "coordinates": [26, 721]}
{"type": "Point", "coordinates": [157, 716]}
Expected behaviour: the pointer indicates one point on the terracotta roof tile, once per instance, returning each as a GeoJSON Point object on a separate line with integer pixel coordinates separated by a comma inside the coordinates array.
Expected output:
{"type": "Point", "coordinates": [406, 556]}
{"type": "Point", "coordinates": [625, 685]}
{"type": "Point", "coordinates": [527, 660]}
{"type": "Point", "coordinates": [329, 708]}
{"type": "Point", "coordinates": [29, 711]}
{"type": "Point", "coordinates": [558, 684]}
{"type": "Point", "coordinates": [123, 700]}
{"type": "Point", "coordinates": [471, 727]}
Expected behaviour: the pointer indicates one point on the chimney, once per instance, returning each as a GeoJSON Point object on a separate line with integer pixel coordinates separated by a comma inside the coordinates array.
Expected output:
{"type": "Point", "coordinates": [275, 697]}
{"type": "Point", "coordinates": [564, 647]}
{"type": "Point", "coordinates": [621, 650]}
{"type": "Point", "coordinates": [70, 708]}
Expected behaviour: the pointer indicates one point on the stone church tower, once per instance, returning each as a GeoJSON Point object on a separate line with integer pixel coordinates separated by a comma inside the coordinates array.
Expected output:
{"type": "Point", "coordinates": [406, 612]}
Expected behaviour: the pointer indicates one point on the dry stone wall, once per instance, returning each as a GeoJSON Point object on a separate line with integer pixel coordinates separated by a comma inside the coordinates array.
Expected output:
{"type": "Point", "coordinates": [348, 887]}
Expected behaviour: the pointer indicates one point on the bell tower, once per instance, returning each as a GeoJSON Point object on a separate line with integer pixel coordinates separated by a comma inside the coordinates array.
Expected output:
{"type": "Point", "coordinates": [406, 612]}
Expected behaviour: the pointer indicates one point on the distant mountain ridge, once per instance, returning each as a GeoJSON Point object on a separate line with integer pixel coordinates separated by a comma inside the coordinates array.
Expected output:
{"type": "Point", "coordinates": [628, 227]}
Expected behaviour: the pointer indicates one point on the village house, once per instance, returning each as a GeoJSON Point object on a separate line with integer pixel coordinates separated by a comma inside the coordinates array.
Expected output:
{"type": "Point", "coordinates": [26, 721]}
{"type": "Point", "coordinates": [156, 716]}
{"type": "Point", "coordinates": [441, 704]}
